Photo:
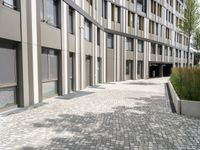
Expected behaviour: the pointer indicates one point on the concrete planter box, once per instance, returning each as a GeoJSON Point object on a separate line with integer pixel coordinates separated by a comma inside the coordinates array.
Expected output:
{"type": "Point", "coordinates": [184, 107]}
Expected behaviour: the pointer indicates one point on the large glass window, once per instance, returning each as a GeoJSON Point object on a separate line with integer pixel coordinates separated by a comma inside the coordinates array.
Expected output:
{"type": "Point", "coordinates": [52, 12]}
{"type": "Point", "coordinates": [49, 72]}
{"type": "Point", "coordinates": [8, 77]}
{"type": "Point", "coordinates": [110, 40]}
{"type": "Point", "coordinates": [88, 30]}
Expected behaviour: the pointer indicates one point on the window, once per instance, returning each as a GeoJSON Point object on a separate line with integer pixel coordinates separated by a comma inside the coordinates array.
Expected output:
{"type": "Point", "coordinates": [140, 23]}
{"type": "Point", "coordinates": [161, 30]}
{"type": "Point", "coordinates": [180, 54]}
{"type": "Point", "coordinates": [129, 18]}
{"type": "Point", "coordinates": [105, 9]}
{"type": "Point", "coordinates": [88, 30]}
{"type": "Point", "coordinates": [141, 5]}
{"type": "Point", "coordinates": [140, 46]}
{"type": "Point", "coordinates": [113, 12]}
{"type": "Point", "coordinates": [71, 20]}
{"type": "Point", "coordinates": [159, 10]}
{"type": "Point", "coordinates": [151, 27]}
{"type": "Point", "coordinates": [52, 12]}
{"type": "Point", "coordinates": [90, 2]}
{"type": "Point", "coordinates": [10, 3]}
{"type": "Point", "coordinates": [153, 7]}
{"type": "Point", "coordinates": [159, 49]}
{"type": "Point", "coordinates": [171, 52]}
{"type": "Point", "coordinates": [176, 52]}
{"type": "Point", "coordinates": [42, 10]}
{"type": "Point", "coordinates": [133, 20]}
{"type": "Point", "coordinates": [49, 72]}
{"type": "Point", "coordinates": [153, 48]}
{"type": "Point", "coordinates": [167, 33]}
{"type": "Point", "coordinates": [98, 36]}
{"type": "Point", "coordinates": [129, 42]}
{"type": "Point", "coordinates": [8, 77]}
{"type": "Point", "coordinates": [166, 51]}
{"type": "Point", "coordinates": [156, 28]}
{"type": "Point", "coordinates": [110, 40]}
{"type": "Point", "coordinates": [118, 14]}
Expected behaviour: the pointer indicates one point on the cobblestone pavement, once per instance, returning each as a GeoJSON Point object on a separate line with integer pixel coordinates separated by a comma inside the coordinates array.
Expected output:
{"type": "Point", "coordinates": [117, 116]}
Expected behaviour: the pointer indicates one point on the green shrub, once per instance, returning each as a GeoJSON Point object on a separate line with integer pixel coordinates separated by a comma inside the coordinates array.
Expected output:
{"type": "Point", "coordinates": [186, 82]}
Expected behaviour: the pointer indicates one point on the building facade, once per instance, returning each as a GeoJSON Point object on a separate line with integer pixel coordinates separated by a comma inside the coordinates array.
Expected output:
{"type": "Point", "coordinates": [54, 47]}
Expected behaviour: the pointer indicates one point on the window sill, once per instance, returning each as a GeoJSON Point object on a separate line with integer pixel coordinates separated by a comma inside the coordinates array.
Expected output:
{"type": "Point", "coordinates": [53, 25]}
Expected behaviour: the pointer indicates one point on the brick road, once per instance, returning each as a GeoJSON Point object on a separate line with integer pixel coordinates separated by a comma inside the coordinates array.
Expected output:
{"type": "Point", "coordinates": [117, 116]}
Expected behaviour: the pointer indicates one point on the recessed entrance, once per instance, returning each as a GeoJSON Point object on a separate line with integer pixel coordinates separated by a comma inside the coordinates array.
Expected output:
{"type": "Point", "coordinates": [99, 70]}
{"type": "Point", "coordinates": [71, 72]}
{"type": "Point", "coordinates": [159, 70]}
{"type": "Point", "coordinates": [88, 70]}
{"type": "Point", "coordinates": [129, 70]}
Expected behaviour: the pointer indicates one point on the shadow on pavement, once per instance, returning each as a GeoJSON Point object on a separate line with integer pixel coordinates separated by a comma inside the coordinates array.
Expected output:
{"type": "Point", "coordinates": [74, 95]}
{"type": "Point", "coordinates": [144, 126]}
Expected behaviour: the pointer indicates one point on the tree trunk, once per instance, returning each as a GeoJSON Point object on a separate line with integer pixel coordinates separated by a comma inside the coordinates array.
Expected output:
{"type": "Point", "coordinates": [188, 56]}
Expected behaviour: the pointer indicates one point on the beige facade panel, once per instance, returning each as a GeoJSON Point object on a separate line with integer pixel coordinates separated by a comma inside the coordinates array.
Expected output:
{"type": "Point", "coordinates": [50, 36]}
{"type": "Point", "coordinates": [10, 24]}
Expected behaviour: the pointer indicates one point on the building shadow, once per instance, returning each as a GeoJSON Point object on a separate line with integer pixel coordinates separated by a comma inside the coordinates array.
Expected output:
{"type": "Point", "coordinates": [74, 95]}
{"type": "Point", "coordinates": [144, 126]}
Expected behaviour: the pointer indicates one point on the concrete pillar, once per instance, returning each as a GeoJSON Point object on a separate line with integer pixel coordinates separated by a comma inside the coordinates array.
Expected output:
{"type": "Point", "coordinates": [64, 52]}
{"type": "Point", "coordinates": [136, 59]}
{"type": "Point", "coordinates": [24, 77]}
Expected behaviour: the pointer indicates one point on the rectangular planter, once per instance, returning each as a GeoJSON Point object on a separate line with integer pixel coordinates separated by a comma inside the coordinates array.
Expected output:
{"type": "Point", "coordinates": [184, 107]}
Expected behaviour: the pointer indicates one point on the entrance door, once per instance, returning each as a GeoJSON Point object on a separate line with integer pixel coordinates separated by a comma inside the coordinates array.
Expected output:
{"type": "Point", "coordinates": [99, 70]}
{"type": "Point", "coordinates": [88, 71]}
{"type": "Point", "coordinates": [140, 69]}
{"type": "Point", "coordinates": [129, 69]}
{"type": "Point", "coordinates": [71, 72]}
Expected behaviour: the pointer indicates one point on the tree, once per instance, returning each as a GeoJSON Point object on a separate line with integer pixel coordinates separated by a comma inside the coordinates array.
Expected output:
{"type": "Point", "coordinates": [190, 22]}
{"type": "Point", "coordinates": [196, 40]}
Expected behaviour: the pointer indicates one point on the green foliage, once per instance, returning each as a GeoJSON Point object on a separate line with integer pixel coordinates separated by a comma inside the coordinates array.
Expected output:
{"type": "Point", "coordinates": [191, 20]}
{"type": "Point", "coordinates": [196, 40]}
{"type": "Point", "coordinates": [191, 17]}
{"type": "Point", "coordinates": [186, 82]}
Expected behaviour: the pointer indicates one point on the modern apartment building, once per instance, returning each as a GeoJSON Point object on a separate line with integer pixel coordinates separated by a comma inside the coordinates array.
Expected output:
{"type": "Point", "coordinates": [54, 47]}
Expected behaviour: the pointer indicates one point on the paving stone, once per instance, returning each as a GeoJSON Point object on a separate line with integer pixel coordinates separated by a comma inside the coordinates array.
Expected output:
{"type": "Point", "coordinates": [125, 115]}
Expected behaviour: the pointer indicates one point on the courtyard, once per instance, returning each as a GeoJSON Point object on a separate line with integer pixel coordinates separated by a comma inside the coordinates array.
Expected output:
{"type": "Point", "coordinates": [114, 116]}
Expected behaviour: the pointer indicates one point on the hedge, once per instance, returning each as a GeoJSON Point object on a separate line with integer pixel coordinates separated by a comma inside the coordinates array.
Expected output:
{"type": "Point", "coordinates": [186, 83]}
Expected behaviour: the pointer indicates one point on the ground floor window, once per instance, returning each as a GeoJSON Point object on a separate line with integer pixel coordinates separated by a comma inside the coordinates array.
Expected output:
{"type": "Point", "coordinates": [8, 77]}
{"type": "Point", "coordinates": [49, 73]}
